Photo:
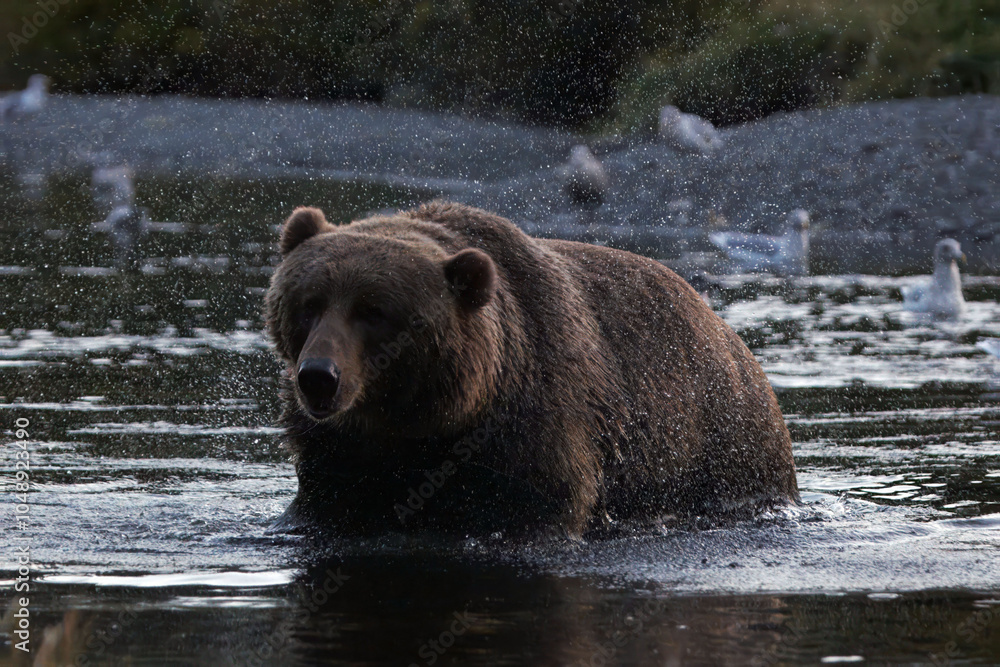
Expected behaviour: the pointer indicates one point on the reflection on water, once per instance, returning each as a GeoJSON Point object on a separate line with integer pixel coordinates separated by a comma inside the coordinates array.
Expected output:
{"type": "Point", "coordinates": [150, 396]}
{"type": "Point", "coordinates": [428, 611]}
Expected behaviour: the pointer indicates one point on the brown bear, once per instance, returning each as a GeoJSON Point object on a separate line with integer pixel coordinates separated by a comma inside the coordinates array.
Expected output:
{"type": "Point", "coordinates": [446, 371]}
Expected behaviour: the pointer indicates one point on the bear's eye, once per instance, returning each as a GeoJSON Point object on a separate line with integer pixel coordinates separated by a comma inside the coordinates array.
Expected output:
{"type": "Point", "coordinates": [372, 314]}
{"type": "Point", "coordinates": [309, 313]}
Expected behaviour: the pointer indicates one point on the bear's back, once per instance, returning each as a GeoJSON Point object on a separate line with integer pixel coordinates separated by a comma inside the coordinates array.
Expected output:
{"type": "Point", "coordinates": [705, 421]}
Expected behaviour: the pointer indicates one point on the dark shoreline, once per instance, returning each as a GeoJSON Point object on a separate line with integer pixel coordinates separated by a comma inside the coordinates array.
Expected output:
{"type": "Point", "coordinates": [882, 181]}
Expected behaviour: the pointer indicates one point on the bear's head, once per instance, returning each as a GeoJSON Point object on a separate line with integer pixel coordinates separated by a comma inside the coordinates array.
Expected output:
{"type": "Point", "coordinates": [377, 323]}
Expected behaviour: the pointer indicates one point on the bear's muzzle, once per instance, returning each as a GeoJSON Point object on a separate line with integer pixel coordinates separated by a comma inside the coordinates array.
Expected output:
{"type": "Point", "coordinates": [318, 381]}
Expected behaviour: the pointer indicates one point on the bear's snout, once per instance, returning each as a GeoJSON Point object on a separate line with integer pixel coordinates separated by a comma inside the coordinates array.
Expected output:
{"type": "Point", "coordinates": [318, 381]}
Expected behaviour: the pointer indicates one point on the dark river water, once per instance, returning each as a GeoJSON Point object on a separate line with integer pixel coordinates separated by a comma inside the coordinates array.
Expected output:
{"type": "Point", "coordinates": [146, 402]}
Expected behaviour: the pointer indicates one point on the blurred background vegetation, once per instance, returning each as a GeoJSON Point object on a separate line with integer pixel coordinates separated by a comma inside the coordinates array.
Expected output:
{"type": "Point", "coordinates": [585, 64]}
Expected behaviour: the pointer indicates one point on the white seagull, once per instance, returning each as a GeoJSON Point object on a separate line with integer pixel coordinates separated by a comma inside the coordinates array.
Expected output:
{"type": "Point", "coordinates": [31, 100]}
{"type": "Point", "coordinates": [688, 132]}
{"type": "Point", "coordinates": [112, 187]}
{"type": "Point", "coordinates": [125, 226]}
{"type": "Point", "coordinates": [787, 254]}
{"type": "Point", "coordinates": [941, 295]}
{"type": "Point", "coordinates": [990, 346]}
{"type": "Point", "coordinates": [584, 177]}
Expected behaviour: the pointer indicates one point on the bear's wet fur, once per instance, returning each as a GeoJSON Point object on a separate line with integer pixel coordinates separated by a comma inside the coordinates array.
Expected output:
{"type": "Point", "coordinates": [474, 379]}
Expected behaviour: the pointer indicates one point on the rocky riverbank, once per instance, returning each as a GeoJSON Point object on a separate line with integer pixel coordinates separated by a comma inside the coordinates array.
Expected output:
{"type": "Point", "coordinates": [882, 181]}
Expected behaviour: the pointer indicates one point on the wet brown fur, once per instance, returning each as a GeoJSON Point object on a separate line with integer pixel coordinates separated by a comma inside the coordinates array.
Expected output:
{"type": "Point", "coordinates": [613, 393]}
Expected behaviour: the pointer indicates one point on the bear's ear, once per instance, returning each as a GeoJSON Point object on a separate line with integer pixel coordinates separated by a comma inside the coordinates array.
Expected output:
{"type": "Point", "coordinates": [472, 277]}
{"type": "Point", "coordinates": [304, 223]}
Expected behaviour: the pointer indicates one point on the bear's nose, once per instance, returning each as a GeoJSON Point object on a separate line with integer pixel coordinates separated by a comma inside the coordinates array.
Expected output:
{"type": "Point", "coordinates": [318, 379]}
